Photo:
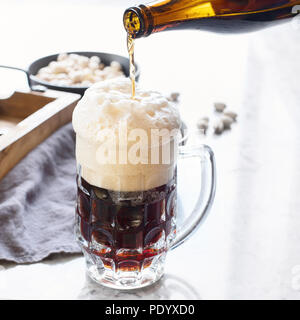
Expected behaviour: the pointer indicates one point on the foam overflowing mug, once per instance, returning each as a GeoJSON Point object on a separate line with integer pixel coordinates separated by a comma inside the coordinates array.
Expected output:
{"type": "Point", "coordinates": [126, 152]}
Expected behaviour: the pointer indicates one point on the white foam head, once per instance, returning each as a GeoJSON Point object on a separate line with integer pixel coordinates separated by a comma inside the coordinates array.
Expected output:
{"type": "Point", "coordinates": [106, 107]}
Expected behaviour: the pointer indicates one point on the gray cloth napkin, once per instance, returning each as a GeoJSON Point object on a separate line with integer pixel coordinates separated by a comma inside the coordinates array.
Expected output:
{"type": "Point", "coordinates": [37, 201]}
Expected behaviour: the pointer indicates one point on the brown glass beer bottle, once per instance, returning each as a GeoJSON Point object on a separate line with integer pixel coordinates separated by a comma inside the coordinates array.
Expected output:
{"type": "Point", "coordinates": [227, 16]}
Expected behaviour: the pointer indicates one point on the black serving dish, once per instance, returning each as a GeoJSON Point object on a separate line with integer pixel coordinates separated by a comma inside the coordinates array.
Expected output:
{"type": "Point", "coordinates": [37, 84]}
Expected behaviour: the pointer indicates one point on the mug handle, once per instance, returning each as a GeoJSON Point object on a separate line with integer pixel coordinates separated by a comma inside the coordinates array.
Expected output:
{"type": "Point", "coordinates": [206, 195]}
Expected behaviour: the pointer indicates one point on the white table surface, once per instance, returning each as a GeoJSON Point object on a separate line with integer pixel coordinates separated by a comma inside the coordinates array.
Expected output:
{"type": "Point", "coordinates": [249, 246]}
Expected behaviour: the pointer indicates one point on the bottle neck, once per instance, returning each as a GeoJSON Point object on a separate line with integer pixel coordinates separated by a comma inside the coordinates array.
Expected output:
{"type": "Point", "coordinates": [138, 21]}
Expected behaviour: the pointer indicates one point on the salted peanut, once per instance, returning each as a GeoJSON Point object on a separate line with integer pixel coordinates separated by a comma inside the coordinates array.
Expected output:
{"type": "Point", "coordinates": [107, 69]}
{"type": "Point", "coordinates": [44, 70]}
{"type": "Point", "coordinates": [202, 125]}
{"type": "Point", "coordinates": [84, 62]}
{"type": "Point", "coordinates": [74, 56]}
{"type": "Point", "coordinates": [95, 59]}
{"type": "Point", "coordinates": [219, 106]}
{"type": "Point", "coordinates": [71, 63]}
{"type": "Point", "coordinates": [174, 96]}
{"type": "Point", "coordinates": [231, 114]}
{"type": "Point", "coordinates": [219, 127]}
{"type": "Point", "coordinates": [62, 56]}
{"type": "Point", "coordinates": [76, 76]}
{"type": "Point", "coordinates": [51, 64]}
{"type": "Point", "coordinates": [88, 76]}
{"type": "Point", "coordinates": [116, 65]}
{"type": "Point", "coordinates": [93, 65]}
{"type": "Point", "coordinates": [227, 121]}
{"type": "Point", "coordinates": [58, 67]}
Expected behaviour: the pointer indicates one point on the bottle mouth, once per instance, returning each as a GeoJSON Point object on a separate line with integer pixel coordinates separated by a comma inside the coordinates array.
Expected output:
{"type": "Point", "coordinates": [133, 23]}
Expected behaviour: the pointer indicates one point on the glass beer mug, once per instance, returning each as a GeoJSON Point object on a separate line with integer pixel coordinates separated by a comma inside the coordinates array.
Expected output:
{"type": "Point", "coordinates": [127, 192]}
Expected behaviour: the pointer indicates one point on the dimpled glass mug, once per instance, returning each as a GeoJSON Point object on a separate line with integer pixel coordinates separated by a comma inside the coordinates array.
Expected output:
{"type": "Point", "coordinates": [127, 151]}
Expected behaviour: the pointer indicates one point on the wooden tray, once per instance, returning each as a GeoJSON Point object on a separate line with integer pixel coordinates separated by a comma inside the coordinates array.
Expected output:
{"type": "Point", "coordinates": [26, 119]}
